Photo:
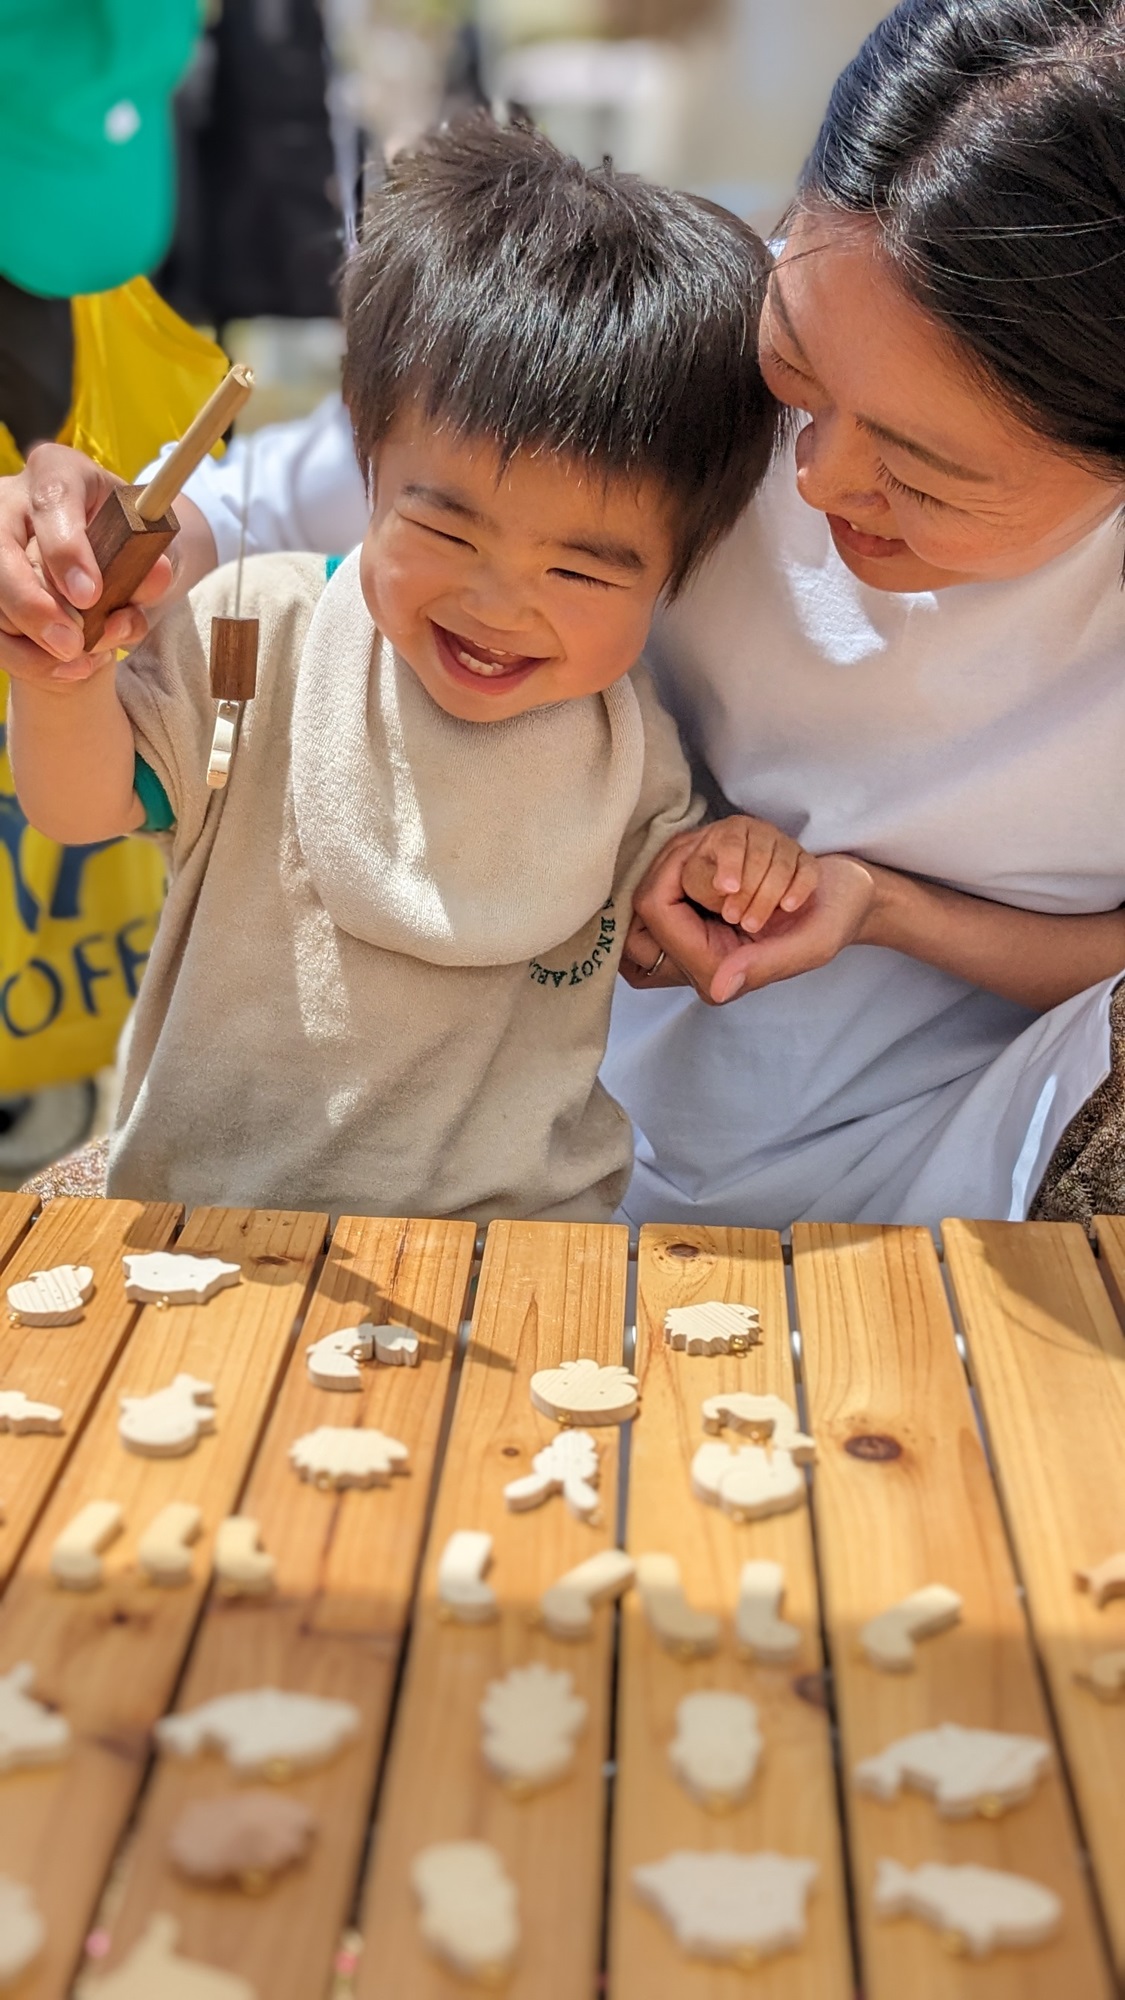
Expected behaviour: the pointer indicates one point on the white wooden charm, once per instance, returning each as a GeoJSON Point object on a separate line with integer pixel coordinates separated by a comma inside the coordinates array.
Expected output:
{"type": "Point", "coordinates": [687, 1633]}
{"type": "Point", "coordinates": [171, 1421]}
{"type": "Point", "coordinates": [224, 743]}
{"type": "Point", "coordinates": [716, 1748]}
{"type": "Point", "coordinates": [582, 1392]}
{"type": "Point", "coordinates": [713, 1327]}
{"type": "Point", "coordinates": [568, 1465]}
{"type": "Point", "coordinates": [164, 1550]}
{"type": "Point", "coordinates": [333, 1362]}
{"type": "Point", "coordinates": [566, 1608]}
{"type": "Point", "coordinates": [1106, 1675]}
{"type": "Point", "coordinates": [964, 1771]}
{"type": "Point", "coordinates": [76, 1558]}
{"type": "Point", "coordinates": [242, 1567]}
{"type": "Point", "coordinates": [21, 1416]}
{"type": "Point", "coordinates": [469, 1908]}
{"type": "Point", "coordinates": [981, 1908]}
{"type": "Point", "coordinates": [758, 1630]}
{"type": "Point", "coordinates": [531, 1721]}
{"type": "Point", "coordinates": [462, 1592]}
{"type": "Point", "coordinates": [52, 1298]}
{"type": "Point", "coordinates": [262, 1732]}
{"type": "Point", "coordinates": [764, 1418]}
{"type": "Point", "coordinates": [748, 1483]}
{"type": "Point", "coordinates": [29, 1733]}
{"type": "Point", "coordinates": [154, 1970]}
{"type": "Point", "coordinates": [734, 1907]}
{"type": "Point", "coordinates": [246, 1837]}
{"type": "Point", "coordinates": [336, 1457]}
{"type": "Point", "coordinates": [396, 1346]}
{"type": "Point", "coordinates": [888, 1640]}
{"type": "Point", "coordinates": [1106, 1580]}
{"type": "Point", "coordinates": [22, 1930]}
{"type": "Point", "coordinates": [176, 1277]}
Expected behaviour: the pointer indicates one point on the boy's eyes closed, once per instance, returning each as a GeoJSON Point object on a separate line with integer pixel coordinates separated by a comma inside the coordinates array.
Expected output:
{"type": "Point", "coordinates": [580, 576]}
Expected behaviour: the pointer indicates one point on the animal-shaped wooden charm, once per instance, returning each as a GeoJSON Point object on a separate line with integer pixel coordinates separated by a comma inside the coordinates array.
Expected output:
{"type": "Point", "coordinates": [171, 1421]}
{"type": "Point", "coordinates": [333, 1361]}
{"type": "Point", "coordinates": [582, 1392]}
{"type": "Point", "coordinates": [396, 1346]}
{"type": "Point", "coordinates": [531, 1721]}
{"type": "Point", "coordinates": [76, 1558]}
{"type": "Point", "coordinates": [1106, 1675]}
{"type": "Point", "coordinates": [462, 1592]}
{"type": "Point", "coordinates": [164, 1550]}
{"type": "Point", "coordinates": [177, 1277]}
{"type": "Point", "coordinates": [335, 1457]}
{"type": "Point", "coordinates": [687, 1633]}
{"type": "Point", "coordinates": [740, 1908]}
{"type": "Point", "coordinates": [246, 1837]}
{"type": "Point", "coordinates": [964, 1771]}
{"type": "Point", "coordinates": [980, 1907]}
{"type": "Point", "coordinates": [154, 1970]}
{"type": "Point", "coordinates": [262, 1732]}
{"type": "Point", "coordinates": [566, 1608]}
{"type": "Point", "coordinates": [748, 1483]}
{"type": "Point", "coordinates": [1105, 1581]}
{"type": "Point", "coordinates": [716, 1748]}
{"type": "Point", "coordinates": [22, 1930]}
{"type": "Point", "coordinates": [52, 1298]}
{"type": "Point", "coordinates": [21, 1416]}
{"type": "Point", "coordinates": [568, 1465]}
{"type": "Point", "coordinates": [29, 1733]}
{"type": "Point", "coordinates": [762, 1418]}
{"type": "Point", "coordinates": [758, 1630]}
{"type": "Point", "coordinates": [713, 1327]}
{"type": "Point", "coordinates": [469, 1914]}
{"type": "Point", "coordinates": [888, 1640]}
{"type": "Point", "coordinates": [242, 1567]}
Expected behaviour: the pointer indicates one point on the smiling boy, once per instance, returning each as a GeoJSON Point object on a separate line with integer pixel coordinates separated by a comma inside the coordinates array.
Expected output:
{"type": "Point", "coordinates": [383, 976]}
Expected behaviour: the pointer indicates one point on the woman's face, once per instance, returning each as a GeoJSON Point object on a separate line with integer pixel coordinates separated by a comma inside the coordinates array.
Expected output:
{"type": "Point", "coordinates": [926, 481]}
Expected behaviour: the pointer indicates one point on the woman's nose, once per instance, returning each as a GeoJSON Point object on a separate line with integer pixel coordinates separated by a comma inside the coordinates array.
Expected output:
{"type": "Point", "coordinates": [833, 475]}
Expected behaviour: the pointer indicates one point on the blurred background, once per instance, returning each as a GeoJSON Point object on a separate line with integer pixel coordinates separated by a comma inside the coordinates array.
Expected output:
{"type": "Point", "coordinates": [287, 98]}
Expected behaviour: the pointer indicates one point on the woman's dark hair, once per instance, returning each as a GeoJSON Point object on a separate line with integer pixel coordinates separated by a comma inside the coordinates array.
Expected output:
{"type": "Point", "coordinates": [987, 138]}
{"type": "Point", "coordinates": [523, 297]}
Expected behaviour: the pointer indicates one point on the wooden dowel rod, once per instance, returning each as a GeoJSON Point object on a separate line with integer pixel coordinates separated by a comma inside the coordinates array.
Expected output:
{"type": "Point", "coordinates": [201, 436]}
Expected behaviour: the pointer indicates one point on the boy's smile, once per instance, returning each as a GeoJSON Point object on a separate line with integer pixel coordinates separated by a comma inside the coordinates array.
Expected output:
{"type": "Point", "coordinates": [508, 586]}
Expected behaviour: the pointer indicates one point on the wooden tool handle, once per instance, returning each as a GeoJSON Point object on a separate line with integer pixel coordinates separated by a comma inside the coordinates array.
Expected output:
{"type": "Point", "coordinates": [217, 414]}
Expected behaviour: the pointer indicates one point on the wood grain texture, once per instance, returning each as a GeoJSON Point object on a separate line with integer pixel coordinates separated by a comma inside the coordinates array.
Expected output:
{"type": "Point", "coordinates": [548, 1292]}
{"type": "Point", "coordinates": [17, 1212]}
{"type": "Point", "coordinates": [125, 548]}
{"type": "Point", "coordinates": [1048, 1359]}
{"type": "Point", "coordinates": [880, 1363]}
{"type": "Point", "coordinates": [66, 1365]}
{"type": "Point", "coordinates": [792, 1807]}
{"type": "Point", "coordinates": [109, 1658]}
{"type": "Point", "coordinates": [346, 1567]}
{"type": "Point", "coordinates": [1111, 1258]}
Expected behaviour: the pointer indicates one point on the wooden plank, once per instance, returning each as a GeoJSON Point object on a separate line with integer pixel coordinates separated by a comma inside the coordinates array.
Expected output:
{"type": "Point", "coordinates": [1048, 1360]}
{"type": "Point", "coordinates": [67, 1365]}
{"type": "Point", "coordinates": [548, 1292]}
{"type": "Point", "coordinates": [109, 1659]}
{"type": "Point", "coordinates": [792, 1808]}
{"type": "Point", "coordinates": [1111, 1258]}
{"type": "Point", "coordinates": [17, 1212]}
{"type": "Point", "coordinates": [346, 1567]}
{"type": "Point", "coordinates": [916, 1506]}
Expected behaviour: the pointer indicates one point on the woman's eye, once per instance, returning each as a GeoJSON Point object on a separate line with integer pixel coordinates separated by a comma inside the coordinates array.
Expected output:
{"type": "Point", "coordinates": [778, 361]}
{"type": "Point", "coordinates": [909, 492]}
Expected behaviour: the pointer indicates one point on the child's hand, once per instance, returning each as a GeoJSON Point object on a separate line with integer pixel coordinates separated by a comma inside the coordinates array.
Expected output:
{"type": "Point", "coordinates": [744, 870]}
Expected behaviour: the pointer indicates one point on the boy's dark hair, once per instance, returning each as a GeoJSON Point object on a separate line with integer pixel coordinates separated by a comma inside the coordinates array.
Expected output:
{"type": "Point", "coordinates": [521, 296]}
{"type": "Point", "coordinates": [987, 140]}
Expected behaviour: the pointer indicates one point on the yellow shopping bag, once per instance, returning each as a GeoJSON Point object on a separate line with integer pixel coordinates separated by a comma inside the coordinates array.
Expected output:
{"type": "Point", "coordinates": [76, 923]}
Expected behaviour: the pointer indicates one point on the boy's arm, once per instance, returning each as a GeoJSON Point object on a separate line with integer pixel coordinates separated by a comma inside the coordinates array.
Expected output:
{"type": "Point", "coordinates": [72, 755]}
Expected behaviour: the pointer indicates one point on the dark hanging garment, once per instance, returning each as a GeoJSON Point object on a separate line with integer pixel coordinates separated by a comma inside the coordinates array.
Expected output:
{"type": "Point", "coordinates": [259, 224]}
{"type": "Point", "coordinates": [36, 364]}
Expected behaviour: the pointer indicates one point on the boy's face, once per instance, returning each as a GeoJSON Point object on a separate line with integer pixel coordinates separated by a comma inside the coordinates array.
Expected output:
{"type": "Point", "coordinates": [507, 587]}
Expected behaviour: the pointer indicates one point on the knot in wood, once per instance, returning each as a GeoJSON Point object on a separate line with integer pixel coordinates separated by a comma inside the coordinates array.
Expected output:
{"type": "Point", "coordinates": [683, 1250]}
{"type": "Point", "coordinates": [873, 1445]}
{"type": "Point", "coordinates": [812, 1688]}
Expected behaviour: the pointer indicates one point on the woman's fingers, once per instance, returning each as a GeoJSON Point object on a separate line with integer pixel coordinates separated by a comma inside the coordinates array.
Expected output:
{"type": "Point", "coordinates": [64, 491]}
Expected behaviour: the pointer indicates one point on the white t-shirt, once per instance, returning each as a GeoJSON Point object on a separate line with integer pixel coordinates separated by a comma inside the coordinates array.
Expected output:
{"type": "Point", "coordinates": [975, 735]}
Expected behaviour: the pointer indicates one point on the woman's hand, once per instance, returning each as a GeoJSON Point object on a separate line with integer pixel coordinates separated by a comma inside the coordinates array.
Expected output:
{"type": "Point", "coordinates": [47, 567]}
{"type": "Point", "coordinates": [799, 915]}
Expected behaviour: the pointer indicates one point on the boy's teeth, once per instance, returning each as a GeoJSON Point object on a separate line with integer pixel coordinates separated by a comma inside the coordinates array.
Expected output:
{"type": "Point", "coordinates": [487, 667]}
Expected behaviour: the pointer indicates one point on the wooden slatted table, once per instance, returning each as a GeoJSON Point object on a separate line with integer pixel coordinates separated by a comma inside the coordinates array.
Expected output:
{"type": "Point", "coordinates": [1001, 1474]}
